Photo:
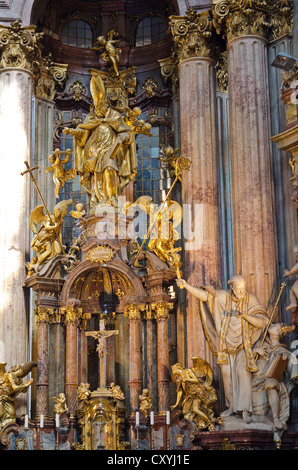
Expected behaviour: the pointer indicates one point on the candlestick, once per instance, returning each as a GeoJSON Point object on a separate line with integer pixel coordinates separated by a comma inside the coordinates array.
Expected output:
{"type": "Point", "coordinates": [152, 418]}
{"type": "Point", "coordinates": [168, 418]}
{"type": "Point", "coordinates": [137, 418]}
{"type": "Point", "coordinates": [57, 420]}
{"type": "Point", "coordinates": [41, 421]}
{"type": "Point", "coordinates": [26, 422]}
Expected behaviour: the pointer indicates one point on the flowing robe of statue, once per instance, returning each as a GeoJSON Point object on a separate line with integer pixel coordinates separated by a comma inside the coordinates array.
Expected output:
{"type": "Point", "coordinates": [231, 338]}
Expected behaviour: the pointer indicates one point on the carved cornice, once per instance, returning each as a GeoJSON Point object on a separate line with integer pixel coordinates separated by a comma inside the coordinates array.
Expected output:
{"type": "Point", "coordinates": [20, 47]}
{"type": "Point", "coordinates": [193, 35]}
{"type": "Point", "coordinates": [269, 19]}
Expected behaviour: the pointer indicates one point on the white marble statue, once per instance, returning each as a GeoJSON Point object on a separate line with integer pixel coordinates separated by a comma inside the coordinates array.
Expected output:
{"type": "Point", "coordinates": [258, 371]}
{"type": "Point", "coordinates": [233, 321]}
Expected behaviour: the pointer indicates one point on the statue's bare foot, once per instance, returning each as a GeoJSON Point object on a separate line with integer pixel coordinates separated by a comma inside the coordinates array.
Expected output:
{"type": "Point", "coordinates": [278, 424]}
{"type": "Point", "coordinates": [226, 413]}
{"type": "Point", "coordinates": [246, 416]}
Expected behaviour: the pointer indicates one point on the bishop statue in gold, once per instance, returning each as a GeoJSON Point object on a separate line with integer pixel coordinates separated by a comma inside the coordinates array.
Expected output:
{"type": "Point", "coordinates": [105, 150]}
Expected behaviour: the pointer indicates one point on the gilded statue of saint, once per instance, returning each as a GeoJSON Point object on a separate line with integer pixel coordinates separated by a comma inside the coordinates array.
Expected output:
{"type": "Point", "coordinates": [105, 151]}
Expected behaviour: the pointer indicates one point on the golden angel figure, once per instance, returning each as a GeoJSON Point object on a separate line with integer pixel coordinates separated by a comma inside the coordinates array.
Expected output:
{"type": "Point", "coordinates": [47, 240]}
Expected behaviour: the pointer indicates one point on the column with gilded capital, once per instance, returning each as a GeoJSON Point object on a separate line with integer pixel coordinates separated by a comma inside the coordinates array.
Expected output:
{"type": "Point", "coordinates": [133, 312]}
{"type": "Point", "coordinates": [42, 386]}
{"type": "Point", "coordinates": [247, 29]}
{"type": "Point", "coordinates": [194, 48]}
{"type": "Point", "coordinates": [19, 48]}
{"type": "Point", "coordinates": [73, 316]}
{"type": "Point", "coordinates": [162, 315]}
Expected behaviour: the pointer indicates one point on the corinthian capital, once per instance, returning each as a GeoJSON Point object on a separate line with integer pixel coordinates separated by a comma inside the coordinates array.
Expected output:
{"type": "Point", "coordinates": [266, 18]}
{"type": "Point", "coordinates": [19, 47]}
{"type": "Point", "coordinates": [192, 35]}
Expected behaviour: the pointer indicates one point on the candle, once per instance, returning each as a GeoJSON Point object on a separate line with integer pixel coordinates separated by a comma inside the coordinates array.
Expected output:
{"type": "Point", "coordinates": [41, 421]}
{"type": "Point", "coordinates": [57, 420]}
{"type": "Point", "coordinates": [168, 418]}
{"type": "Point", "coordinates": [137, 418]}
{"type": "Point", "coordinates": [26, 422]}
{"type": "Point", "coordinates": [152, 418]}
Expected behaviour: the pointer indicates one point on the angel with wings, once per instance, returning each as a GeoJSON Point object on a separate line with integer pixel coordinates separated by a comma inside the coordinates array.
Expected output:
{"type": "Point", "coordinates": [47, 229]}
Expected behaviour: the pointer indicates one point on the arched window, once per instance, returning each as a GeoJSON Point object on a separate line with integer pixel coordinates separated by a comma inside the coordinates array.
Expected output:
{"type": "Point", "coordinates": [150, 30]}
{"type": "Point", "coordinates": [77, 33]}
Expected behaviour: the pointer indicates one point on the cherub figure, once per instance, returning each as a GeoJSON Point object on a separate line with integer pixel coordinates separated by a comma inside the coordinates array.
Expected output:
{"type": "Point", "coordinates": [79, 212]}
{"type": "Point", "coordinates": [60, 406]}
{"type": "Point", "coordinates": [139, 126]}
{"type": "Point", "coordinates": [60, 175]}
{"type": "Point", "coordinates": [111, 53]}
{"type": "Point", "coordinates": [146, 402]}
{"type": "Point", "coordinates": [83, 392]}
{"type": "Point", "coordinates": [117, 392]}
{"type": "Point", "coordinates": [294, 291]}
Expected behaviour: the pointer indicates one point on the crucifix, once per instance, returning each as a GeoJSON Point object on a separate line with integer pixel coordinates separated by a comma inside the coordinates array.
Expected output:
{"type": "Point", "coordinates": [101, 336]}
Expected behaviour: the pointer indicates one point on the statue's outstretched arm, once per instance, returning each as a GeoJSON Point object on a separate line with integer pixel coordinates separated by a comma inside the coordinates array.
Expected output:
{"type": "Point", "coordinates": [201, 294]}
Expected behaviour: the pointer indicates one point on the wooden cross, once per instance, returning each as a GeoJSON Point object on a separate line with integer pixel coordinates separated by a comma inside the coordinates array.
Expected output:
{"type": "Point", "coordinates": [101, 336]}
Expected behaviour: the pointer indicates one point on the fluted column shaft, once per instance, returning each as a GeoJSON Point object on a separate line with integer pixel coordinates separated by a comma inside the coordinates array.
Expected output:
{"type": "Point", "coordinates": [163, 363]}
{"type": "Point", "coordinates": [199, 187]}
{"type": "Point", "coordinates": [253, 215]}
{"type": "Point", "coordinates": [42, 386]}
{"type": "Point", "coordinates": [71, 368]}
{"type": "Point", "coordinates": [135, 381]}
{"type": "Point", "coordinates": [16, 87]}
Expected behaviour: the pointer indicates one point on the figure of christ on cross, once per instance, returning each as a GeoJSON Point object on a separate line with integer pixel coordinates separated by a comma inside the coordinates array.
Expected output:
{"type": "Point", "coordinates": [101, 336]}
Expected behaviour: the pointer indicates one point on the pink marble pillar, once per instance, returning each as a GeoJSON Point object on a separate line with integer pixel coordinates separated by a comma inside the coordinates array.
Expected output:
{"type": "Point", "coordinates": [71, 366]}
{"type": "Point", "coordinates": [252, 179]}
{"type": "Point", "coordinates": [163, 363]}
{"type": "Point", "coordinates": [199, 187]}
{"type": "Point", "coordinates": [42, 386]}
{"type": "Point", "coordinates": [135, 382]}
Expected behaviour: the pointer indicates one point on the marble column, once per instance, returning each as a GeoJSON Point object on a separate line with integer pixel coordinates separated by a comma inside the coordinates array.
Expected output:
{"type": "Point", "coordinates": [251, 155]}
{"type": "Point", "coordinates": [83, 349]}
{"type": "Point", "coordinates": [43, 146]}
{"type": "Point", "coordinates": [163, 365]}
{"type": "Point", "coordinates": [247, 33]}
{"type": "Point", "coordinates": [16, 88]}
{"type": "Point", "coordinates": [42, 386]}
{"type": "Point", "coordinates": [192, 35]}
{"type": "Point", "coordinates": [287, 223]}
{"type": "Point", "coordinates": [72, 319]}
{"type": "Point", "coordinates": [132, 311]}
